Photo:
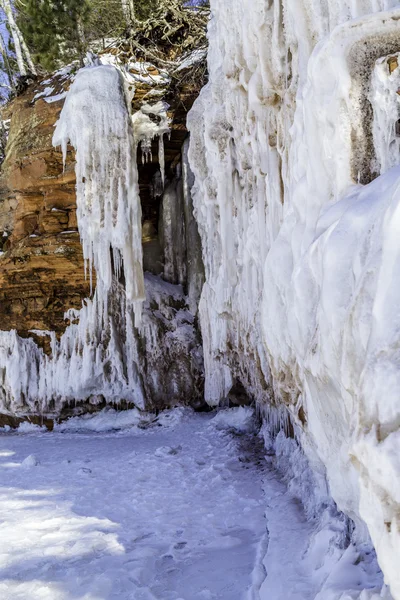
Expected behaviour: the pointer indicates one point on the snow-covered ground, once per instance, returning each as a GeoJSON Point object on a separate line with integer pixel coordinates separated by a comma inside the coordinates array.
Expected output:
{"type": "Point", "coordinates": [169, 512]}
{"type": "Point", "coordinates": [179, 507]}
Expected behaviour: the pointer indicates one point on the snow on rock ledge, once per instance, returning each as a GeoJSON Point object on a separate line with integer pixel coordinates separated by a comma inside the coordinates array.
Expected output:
{"type": "Point", "coordinates": [301, 250]}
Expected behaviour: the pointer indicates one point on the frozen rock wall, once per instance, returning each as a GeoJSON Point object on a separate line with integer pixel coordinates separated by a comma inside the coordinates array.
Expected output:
{"type": "Point", "coordinates": [132, 339]}
{"type": "Point", "coordinates": [294, 146]}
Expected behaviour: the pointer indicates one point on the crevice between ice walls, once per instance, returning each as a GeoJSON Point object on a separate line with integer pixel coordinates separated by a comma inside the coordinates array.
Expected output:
{"type": "Point", "coordinates": [300, 237]}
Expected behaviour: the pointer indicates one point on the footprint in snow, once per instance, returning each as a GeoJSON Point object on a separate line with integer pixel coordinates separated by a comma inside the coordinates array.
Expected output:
{"type": "Point", "coordinates": [30, 461]}
{"type": "Point", "coordinates": [163, 451]}
{"type": "Point", "coordinates": [84, 471]}
{"type": "Point", "coordinates": [180, 545]}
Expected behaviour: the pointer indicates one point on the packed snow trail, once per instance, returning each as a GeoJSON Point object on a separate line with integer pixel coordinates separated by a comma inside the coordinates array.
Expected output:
{"type": "Point", "coordinates": [132, 507]}
{"type": "Point", "coordinates": [172, 511]}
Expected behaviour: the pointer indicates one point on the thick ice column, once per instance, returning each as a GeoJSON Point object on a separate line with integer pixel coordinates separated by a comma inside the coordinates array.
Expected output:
{"type": "Point", "coordinates": [302, 262]}
{"type": "Point", "coordinates": [194, 260]}
{"type": "Point", "coordinates": [96, 121]}
{"type": "Point", "coordinates": [179, 234]}
{"type": "Point", "coordinates": [172, 233]}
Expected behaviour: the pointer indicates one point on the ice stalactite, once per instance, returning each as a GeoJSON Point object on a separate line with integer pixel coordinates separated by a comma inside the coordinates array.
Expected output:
{"type": "Point", "coordinates": [194, 260]}
{"type": "Point", "coordinates": [100, 359]}
{"type": "Point", "coordinates": [88, 362]}
{"type": "Point", "coordinates": [149, 122]}
{"type": "Point", "coordinates": [178, 233]}
{"type": "Point", "coordinates": [95, 120]}
{"type": "Point", "coordinates": [103, 356]}
{"type": "Point", "coordinates": [172, 233]}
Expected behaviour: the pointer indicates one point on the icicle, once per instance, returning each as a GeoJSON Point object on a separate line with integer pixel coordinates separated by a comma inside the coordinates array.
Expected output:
{"type": "Point", "coordinates": [385, 100]}
{"type": "Point", "coordinates": [161, 157]}
{"type": "Point", "coordinates": [95, 120]}
{"type": "Point", "coordinates": [148, 123]}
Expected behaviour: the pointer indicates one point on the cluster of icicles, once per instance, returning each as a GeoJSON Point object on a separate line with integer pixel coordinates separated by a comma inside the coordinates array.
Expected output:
{"type": "Point", "coordinates": [92, 357]}
{"type": "Point", "coordinates": [95, 120]}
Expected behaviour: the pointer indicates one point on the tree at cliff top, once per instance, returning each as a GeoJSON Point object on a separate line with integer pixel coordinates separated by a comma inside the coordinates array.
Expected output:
{"type": "Point", "coordinates": [54, 29]}
{"type": "Point", "coordinates": [22, 53]}
{"type": "Point", "coordinates": [58, 30]}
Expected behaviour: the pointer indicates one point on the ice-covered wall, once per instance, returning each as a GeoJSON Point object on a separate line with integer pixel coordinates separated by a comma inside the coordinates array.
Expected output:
{"type": "Point", "coordinates": [96, 121]}
{"type": "Point", "coordinates": [135, 340]}
{"type": "Point", "coordinates": [292, 142]}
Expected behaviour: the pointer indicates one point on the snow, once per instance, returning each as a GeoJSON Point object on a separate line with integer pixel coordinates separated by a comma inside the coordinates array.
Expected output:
{"type": "Point", "coordinates": [56, 97]}
{"type": "Point", "coordinates": [26, 427]}
{"type": "Point", "coordinates": [134, 71]}
{"type": "Point", "coordinates": [300, 246]}
{"type": "Point", "coordinates": [46, 92]}
{"type": "Point", "coordinates": [239, 419]}
{"type": "Point", "coordinates": [128, 514]}
{"type": "Point", "coordinates": [67, 72]}
{"type": "Point", "coordinates": [106, 420]}
{"type": "Point", "coordinates": [170, 507]}
{"type": "Point", "coordinates": [193, 58]}
{"type": "Point", "coordinates": [30, 461]}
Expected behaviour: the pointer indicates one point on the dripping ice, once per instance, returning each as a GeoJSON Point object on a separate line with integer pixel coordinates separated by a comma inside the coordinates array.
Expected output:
{"type": "Point", "coordinates": [149, 122]}
{"type": "Point", "coordinates": [96, 121]}
{"type": "Point", "coordinates": [95, 357]}
{"type": "Point", "coordinates": [301, 249]}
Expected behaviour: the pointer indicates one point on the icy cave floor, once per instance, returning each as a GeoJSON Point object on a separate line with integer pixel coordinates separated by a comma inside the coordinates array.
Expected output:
{"type": "Point", "coordinates": [179, 507]}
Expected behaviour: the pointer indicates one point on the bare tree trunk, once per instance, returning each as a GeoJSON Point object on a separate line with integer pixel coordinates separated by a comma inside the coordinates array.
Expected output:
{"type": "Point", "coordinates": [81, 39]}
{"type": "Point", "coordinates": [125, 9]}
{"type": "Point", "coordinates": [25, 48]}
{"type": "Point", "coordinates": [6, 6]}
{"type": "Point", "coordinates": [6, 61]}
{"type": "Point", "coordinates": [128, 9]}
{"type": "Point", "coordinates": [132, 9]}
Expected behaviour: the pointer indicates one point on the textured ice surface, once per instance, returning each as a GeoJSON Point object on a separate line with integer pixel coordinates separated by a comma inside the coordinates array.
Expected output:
{"type": "Point", "coordinates": [102, 354]}
{"type": "Point", "coordinates": [300, 248]}
{"type": "Point", "coordinates": [95, 119]}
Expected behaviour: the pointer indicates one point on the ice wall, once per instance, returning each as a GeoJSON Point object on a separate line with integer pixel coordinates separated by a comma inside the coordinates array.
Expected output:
{"type": "Point", "coordinates": [299, 235]}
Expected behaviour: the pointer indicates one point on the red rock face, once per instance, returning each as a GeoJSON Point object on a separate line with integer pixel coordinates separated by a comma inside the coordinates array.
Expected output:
{"type": "Point", "coordinates": [42, 268]}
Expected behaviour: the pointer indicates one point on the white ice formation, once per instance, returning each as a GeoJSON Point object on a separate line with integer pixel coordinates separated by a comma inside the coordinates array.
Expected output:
{"type": "Point", "coordinates": [95, 120]}
{"type": "Point", "coordinates": [103, 356]}
{"type": "Point", "coordinates": [149, 122]}
{"type": "Point", "coordinates": [295, 151]}
{"type": "Point", "coordinates": [300, 235]}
